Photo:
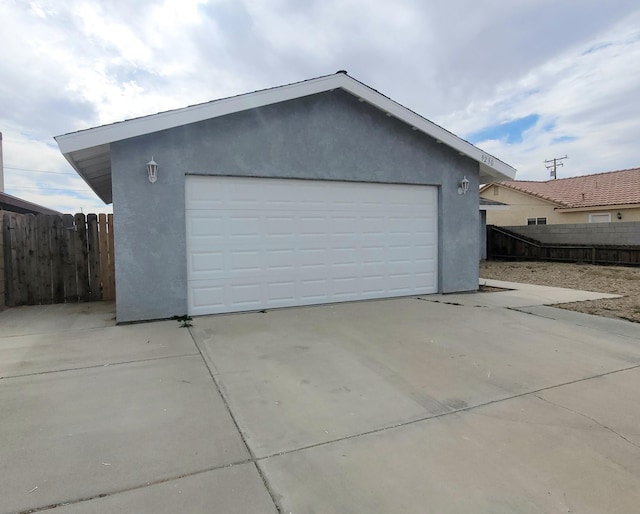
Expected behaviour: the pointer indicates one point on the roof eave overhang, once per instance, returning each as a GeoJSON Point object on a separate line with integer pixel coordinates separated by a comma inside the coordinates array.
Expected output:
{"type": "Point", "coordinates": [494, 207]}
{"type": "Point", "coordinates": [93, 175]}
{"type": "Point", "coordinates": [531, 195]}
{"type": "Point", "coordinates": [491, 169]}
{"type": "Point", "coordinates": [611, 207]}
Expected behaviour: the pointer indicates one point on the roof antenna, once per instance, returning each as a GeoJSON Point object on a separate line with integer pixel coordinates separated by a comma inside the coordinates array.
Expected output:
{"type": "Point", "coordinates": [552, 165]}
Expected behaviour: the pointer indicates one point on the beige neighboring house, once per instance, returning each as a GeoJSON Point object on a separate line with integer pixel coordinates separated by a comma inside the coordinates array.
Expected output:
{"type": "Point", "coordinates": [601, 198]}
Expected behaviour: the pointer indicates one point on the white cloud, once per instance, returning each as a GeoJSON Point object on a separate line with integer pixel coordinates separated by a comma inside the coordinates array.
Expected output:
{"type": "Point", "coordinates": [590, 94]}
{"type": "Point", "coordinates": [466, 65]}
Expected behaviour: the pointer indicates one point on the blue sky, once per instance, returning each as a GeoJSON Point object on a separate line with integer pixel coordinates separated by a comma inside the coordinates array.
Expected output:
{"type": "Point", "coordinates": [511, 132]}
{"type": "Point", "coordinates": [526, 81]}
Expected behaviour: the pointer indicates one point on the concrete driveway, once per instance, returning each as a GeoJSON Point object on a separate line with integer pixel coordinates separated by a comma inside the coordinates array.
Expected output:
{"type": "Point", "coordinates": [489, 402]}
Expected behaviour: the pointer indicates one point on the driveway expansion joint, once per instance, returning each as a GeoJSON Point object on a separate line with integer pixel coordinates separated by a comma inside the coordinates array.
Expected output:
{"type": "Point", "coordinates": [461, 410]}
{"type": "Point", "coordinates": [223, 396]}
{"type": "Point", "coordinates": [94, 366]}
{"type": "Point", "coordinates": [128, 489]}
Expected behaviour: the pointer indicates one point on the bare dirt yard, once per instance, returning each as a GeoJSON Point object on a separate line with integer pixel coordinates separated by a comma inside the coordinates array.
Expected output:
{"type": "Point", "coordinates": [604, 279]}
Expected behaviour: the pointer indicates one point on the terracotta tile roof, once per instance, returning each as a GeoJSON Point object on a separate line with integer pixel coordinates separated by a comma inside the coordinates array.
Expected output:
{"type": "Point", "coordinates": [610, 188]}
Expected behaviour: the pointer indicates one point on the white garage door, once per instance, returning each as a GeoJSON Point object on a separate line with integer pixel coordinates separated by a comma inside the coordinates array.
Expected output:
{"type": "Point", "coordinates": [257, 243]}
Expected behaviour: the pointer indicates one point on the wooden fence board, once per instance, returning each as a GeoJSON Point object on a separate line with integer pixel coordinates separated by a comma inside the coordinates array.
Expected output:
{"type": "Point", "coordinates": [17, 279]}
{"type": "Point", "coordinates": [8, 261]}
{"type": "Point", "coordinates": [31, 247]}
{"type": "Point", "coordinates": [44, 261]}
{"type": "Point", "coordinates": [82, 258]}
{"type": "Point", "coordinates": [19, 235]}
{"type": "Point", "coordinates": [94, 257]}
{"type": "Point", "coordinates": [57, 263]}
{"type": "Point", "coordinates": [104, 256]}
{"type": "Point", "coordinates": [111, 275]}
{"type": "Point", "coordinates": [68, 259]}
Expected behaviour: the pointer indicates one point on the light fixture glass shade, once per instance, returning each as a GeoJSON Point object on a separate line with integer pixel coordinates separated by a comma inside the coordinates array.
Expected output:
{"type": "Point", "coordinates": [464, 186]}
{"type": "Point", "coordinates": [152, 170]}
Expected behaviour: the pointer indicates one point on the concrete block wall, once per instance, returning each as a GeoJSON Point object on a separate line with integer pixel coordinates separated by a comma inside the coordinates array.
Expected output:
{"type": "Point", "coordinates": [622, 233]}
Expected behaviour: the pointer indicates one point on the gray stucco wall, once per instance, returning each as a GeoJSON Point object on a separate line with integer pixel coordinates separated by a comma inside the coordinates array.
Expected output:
{"type": "Point", "coordinates": [329, 136]}
{"type": "Point", "coordinates": [621, 233]}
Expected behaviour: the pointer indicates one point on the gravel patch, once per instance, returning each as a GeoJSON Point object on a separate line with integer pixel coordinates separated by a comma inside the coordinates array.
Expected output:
{"type": "Point", "coordinates": [587, 277]}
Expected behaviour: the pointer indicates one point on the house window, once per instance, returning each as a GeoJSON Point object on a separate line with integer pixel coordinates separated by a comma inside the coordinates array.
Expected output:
{"type": "Point", "coordinates": [601, 217]}
{"type": "Point", "coordinates": [496, 191]}
{"type": "Point", "coordinates": [536, 221]}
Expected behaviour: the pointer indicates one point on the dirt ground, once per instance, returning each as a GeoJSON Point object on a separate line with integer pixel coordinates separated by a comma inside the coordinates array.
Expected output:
{"type": "Point", "coordinates": [604, 279]}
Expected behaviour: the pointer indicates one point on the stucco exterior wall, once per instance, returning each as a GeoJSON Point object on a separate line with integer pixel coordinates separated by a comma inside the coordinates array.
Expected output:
{"type": "Point", "coordinates": [329, 136]}
{"type": "Point", "coordinates": [523, 206]}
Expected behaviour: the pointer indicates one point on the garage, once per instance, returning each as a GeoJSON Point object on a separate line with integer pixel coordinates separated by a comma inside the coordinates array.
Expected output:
{"type": "Point", "coordinates": [262, 243]}
{"type": "Point", "coordinates": [314, 192]}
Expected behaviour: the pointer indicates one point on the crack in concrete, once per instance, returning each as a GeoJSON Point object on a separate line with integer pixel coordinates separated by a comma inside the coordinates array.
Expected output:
{"type": "Point", "coordinates": [443, 414]}
{"type": "Point", "coordinates": [589, 418]}
{"type": "Point", "coordinates": [64, 503]}
{"type": "Point", "coordinates": [93, 366]}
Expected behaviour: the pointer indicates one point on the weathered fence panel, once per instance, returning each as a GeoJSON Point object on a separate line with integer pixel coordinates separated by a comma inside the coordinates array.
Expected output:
{"type": "Point", "coordinates": [57, 259]}
{"type": "Point", "coordinates": [57, 271]}
{"type": "Point", "coordinates": [82, 258]}
{"type": "Point", "coordinates": [105, 230]}
{"type": "Point", "coordinates": [94, 254]}
{"type": "Point", "coordinates": [504, 244]}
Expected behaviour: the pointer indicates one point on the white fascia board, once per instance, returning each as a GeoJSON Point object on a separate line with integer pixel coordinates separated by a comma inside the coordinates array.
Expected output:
{"type": "Point", "coordinates": [610, 207]}
{"type": "Point", "coordinates": [201, 112]}
{"type": "Point", "coordinates": [490, 165]}
{"type": "Point", "coordinates": [105, 134]}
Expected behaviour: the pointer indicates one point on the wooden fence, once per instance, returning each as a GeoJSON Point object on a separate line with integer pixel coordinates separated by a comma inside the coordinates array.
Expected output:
{"type": "Point", "coordinates": [57, 259]}
{"type": "Point", "coordinates": [504, 244]}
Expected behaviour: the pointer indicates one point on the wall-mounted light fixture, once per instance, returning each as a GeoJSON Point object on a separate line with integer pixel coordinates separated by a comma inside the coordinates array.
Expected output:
{"type": "Point", "coordinates": [464, 186]}
{"type": "Point", "coordinates": [152, 170]}
{"type": "Point", "coordinates": [619, 215]}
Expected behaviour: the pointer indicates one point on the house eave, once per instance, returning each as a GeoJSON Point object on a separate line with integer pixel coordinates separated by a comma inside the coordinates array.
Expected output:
{"type": "Point", "coordinates": [610, 207]}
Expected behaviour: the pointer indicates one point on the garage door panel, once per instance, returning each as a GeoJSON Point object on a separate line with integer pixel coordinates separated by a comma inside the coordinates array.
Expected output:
{"type": "Point", "coordinates": [265, 243]}
{"type": "Point", "coordinates": [203, 296]}
{"type": "Point", "coordinates": [424, 280]}
{"type": "Point", "coordinates": [204, 264]}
